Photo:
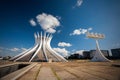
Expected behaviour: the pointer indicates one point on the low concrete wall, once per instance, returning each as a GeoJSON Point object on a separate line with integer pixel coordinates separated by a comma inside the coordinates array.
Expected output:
{"type": "Point", "coordinates": [4, 70]}
{"type": "Point", "coordinates": [15, 74]}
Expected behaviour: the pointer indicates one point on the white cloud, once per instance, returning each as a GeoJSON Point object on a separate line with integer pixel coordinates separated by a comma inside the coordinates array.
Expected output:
{"type": "Point", "coordinates": [64, 44]}
{"type": "Point", "coordinates": [32, 22]}
{"type": "Point", "coordinates": [58, 17]}
{"type": "Point", "coordinates": [83, 31]}
{"type": "Point", "coordinates": [89, 29]}
{"type": "Point", "coordinates": [78, 3]}
{"type": "Point", "coordinates": [62, 51]}
{"type": "Point", "coordinates": [80, 31]}
{"type": "Point", "coordinates": [76, 32]}
{"type": "Point", "coordinates": [23, 49]}
{"type": "Point", "coordinates": [10, 51]}
{"type": "Point", "coordinates": [51, 30]}
{"type": "Point", "coordinates": [18, 49]}
{"type": "Point", "coordinates": [47, 22]}
{"type": "Point", "coordinates": [80, 52]}
{"type": "Point", "coordinates": [15, 49]}
{"type": "Point", "coordinates": [58, 31]}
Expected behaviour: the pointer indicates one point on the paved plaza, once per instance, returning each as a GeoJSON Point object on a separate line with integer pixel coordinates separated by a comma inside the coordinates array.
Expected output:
{"type": "Point", "coordinates": [74, 70]}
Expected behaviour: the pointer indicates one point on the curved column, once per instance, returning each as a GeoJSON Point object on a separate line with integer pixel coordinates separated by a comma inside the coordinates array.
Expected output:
{"type": "Point", "coordinates": [53, 50]}
{"type": "Point", "coordinates": [47, 43]}
{"type": "Point", "coordinates": [42, 43]}
{"type": "Point", "coordinates": [30, 51]}
{"type": "Point", "coordinates": [35, 38]}
{"type": "Point", "coordinates": [20, 54]}
{"type": "Point", "coordinates": [99, 55]}
{"type": "Point", "coordinates": [44, 50]}
{"type": "Point", "coordinates": [38, 38]}
{"type": "Point", "coordinates": [39, 48]}
{"type": "Point", "coordinates": [55, 56]}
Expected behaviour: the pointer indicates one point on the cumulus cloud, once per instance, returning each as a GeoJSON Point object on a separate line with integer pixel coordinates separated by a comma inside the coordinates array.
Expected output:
{"type": "Point", "coordinates": [15, 49]}
{"type": "Point", "coordinates": [48, 22]}
{"type": "Point", "coordinates": [64, 44]}
{"type": "Point", "coordinates": [62, 51]}
{"type": "Point", "coordinates": [76, 32]}
{"type": "Point", "coordinates": [80, 31]}
{"type": "Point", "coordinates": [50, 30]}
{"type": "Point", "coordinates": [32, 22]}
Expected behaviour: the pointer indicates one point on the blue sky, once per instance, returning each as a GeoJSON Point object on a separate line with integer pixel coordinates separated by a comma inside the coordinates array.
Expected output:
{"type": "Point", "coordinates": [101, 16]}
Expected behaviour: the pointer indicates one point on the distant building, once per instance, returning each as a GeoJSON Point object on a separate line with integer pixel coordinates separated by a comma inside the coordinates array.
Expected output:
{"type": "Point", "coordinates": [80, 55]}
{"type": "Point", "coordinates": [75, 56]}
{"type": "Point", "coordinates": [116, 53]}
{"type": "Point", "coordinates": [1, 58]}
{"type": "Point", "coordinates": [86, 54]}
{"type": "Point", "coordinates": [105, 53]}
